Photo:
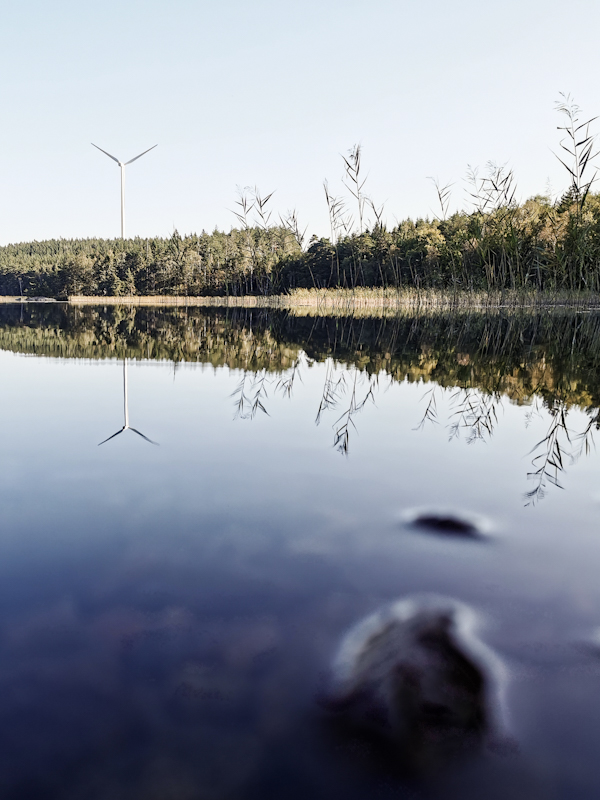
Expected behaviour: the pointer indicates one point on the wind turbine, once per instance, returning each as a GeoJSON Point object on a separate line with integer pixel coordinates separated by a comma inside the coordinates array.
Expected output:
{"type": "Point", "coordinates": [123, 165]}
{"type": "Point", "coordinates": [126, 425]}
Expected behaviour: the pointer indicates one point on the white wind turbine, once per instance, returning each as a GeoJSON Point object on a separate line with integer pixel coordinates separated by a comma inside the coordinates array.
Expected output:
{"type": "Point", "coordinates": [123, 165]}
{"type": "Point", "coordinates": [126, 425]}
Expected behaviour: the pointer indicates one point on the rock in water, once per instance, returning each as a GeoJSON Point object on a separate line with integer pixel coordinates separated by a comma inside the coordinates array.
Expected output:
{"type": "Point", "coordinates": [415, 678]}
{"type": "Point", "coordinates": [445, 522]}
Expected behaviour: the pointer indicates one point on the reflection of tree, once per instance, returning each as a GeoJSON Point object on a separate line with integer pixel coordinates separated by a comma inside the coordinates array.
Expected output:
{"type": "Point", "coordinates": [551, 358]}
{"type": "Point", "coordinates": [519, 354]}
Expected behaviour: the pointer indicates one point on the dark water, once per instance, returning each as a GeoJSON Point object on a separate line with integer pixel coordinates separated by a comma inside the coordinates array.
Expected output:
{"type": "Point", "coordinates": [170, 613]}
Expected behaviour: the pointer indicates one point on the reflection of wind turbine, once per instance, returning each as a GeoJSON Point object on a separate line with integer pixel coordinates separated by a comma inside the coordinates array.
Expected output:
{"type": "Point", "coordinates": [126, 426]}
{"type": "Point", "coordinates": [123, 165]}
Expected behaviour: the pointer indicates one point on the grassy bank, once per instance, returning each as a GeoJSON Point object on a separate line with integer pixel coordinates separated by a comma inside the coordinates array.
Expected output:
{"type": "Point", "coordinates": [356, 302]}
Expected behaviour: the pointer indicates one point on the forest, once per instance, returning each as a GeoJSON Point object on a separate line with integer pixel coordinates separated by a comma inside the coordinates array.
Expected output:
{"type": "Point", "coordinates": [496, 243]}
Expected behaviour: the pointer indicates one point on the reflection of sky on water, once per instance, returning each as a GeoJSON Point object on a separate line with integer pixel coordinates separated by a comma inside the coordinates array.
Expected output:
{"type": "Point", "coordinates": [161, 602]}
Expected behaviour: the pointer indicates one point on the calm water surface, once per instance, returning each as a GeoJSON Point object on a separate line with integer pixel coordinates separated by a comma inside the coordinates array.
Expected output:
{"type": "Point", "coordinates": [170, 611]}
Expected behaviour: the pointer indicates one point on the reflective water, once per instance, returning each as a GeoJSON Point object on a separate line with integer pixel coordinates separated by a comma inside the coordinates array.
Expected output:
{"type": "Point", "coordinates": [170, 612]}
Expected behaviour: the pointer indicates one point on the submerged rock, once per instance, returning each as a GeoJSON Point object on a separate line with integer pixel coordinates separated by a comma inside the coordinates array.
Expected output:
{"type": "Point", "coordinates": [447, 523]}
{"type": "Point", "coordinates": [415, 680]}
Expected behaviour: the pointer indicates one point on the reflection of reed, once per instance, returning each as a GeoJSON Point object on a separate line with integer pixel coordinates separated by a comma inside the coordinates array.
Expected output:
{"type": "Point", "coordinates": [285, 384]}
{"type": "Point", "coordinates": [555, 449]}
{"type": "Point", "coordinates": [251, 392]}
{"type": "Point", "coordinates": [430, 414]}
{"type": "Point", "coordinates": [335, 388]}
{"type": "Point", "coordinates": [474, 411]}
{"type": "Point", "coordinates": [586, 438]}
{"type": "Point", "coordinates": [550, 462]}
{"type": "Point", "coordinates": [345, 423]}
{"type": "Point", "coordinates": [471, 410]}
{"type": "Point", "coordinates": [332, 390]}
{"type": "Point", "coordinates": [478, 414]}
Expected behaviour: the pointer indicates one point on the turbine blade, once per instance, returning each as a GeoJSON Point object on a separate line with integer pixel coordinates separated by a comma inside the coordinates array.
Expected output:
{"type": "Point", "coordinates": [131, 160]}
{"type": "Point", "coordinates": [111, 437]}
{"type": "Point", "coordinates": [105, 153]}
{"type": "Point", "coordinates": [144, 437]}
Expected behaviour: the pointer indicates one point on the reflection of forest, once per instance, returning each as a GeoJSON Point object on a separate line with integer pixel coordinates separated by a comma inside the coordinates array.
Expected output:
{"type": "Point", "coordinates": [554, 355]}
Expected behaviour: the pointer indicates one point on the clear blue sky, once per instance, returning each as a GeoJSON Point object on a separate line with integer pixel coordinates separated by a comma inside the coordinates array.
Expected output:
{"type": "Point", "coordinates": [270, 94]}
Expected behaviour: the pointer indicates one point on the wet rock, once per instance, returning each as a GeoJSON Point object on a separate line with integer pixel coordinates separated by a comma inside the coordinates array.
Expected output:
{"type": "Point", "coordinates": [415, 680]}
{"type": "Point", "coordinates": [447, 523]}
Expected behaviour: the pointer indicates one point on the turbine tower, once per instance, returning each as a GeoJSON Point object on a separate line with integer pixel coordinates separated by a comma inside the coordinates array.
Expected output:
{"type": "Point", "coordinates": [126, 425]}
{"type": "Point", "coordinates": [123, 165]}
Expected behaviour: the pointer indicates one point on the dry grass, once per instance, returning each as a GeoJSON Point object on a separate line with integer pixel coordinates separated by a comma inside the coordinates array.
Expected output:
{"type": "Point", "coordinates": [357, 302]}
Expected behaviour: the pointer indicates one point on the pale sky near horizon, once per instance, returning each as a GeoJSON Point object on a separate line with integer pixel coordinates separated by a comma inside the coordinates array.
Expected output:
{"type": "Point", "coordinates": [271, 94]}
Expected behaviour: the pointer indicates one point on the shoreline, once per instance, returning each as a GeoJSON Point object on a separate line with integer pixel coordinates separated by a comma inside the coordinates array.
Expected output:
{"type": "Point", "coordinates": [338, 300]}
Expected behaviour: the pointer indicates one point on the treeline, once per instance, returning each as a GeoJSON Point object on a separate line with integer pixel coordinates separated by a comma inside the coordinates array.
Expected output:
{"type": "Point", "coordinates": [537, 244]}
{"type": "Point", "coordinates": [239, 262]}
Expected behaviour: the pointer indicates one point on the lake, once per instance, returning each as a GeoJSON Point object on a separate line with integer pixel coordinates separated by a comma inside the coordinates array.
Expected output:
{"type": "Point", "coordinates": [199, 504]}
